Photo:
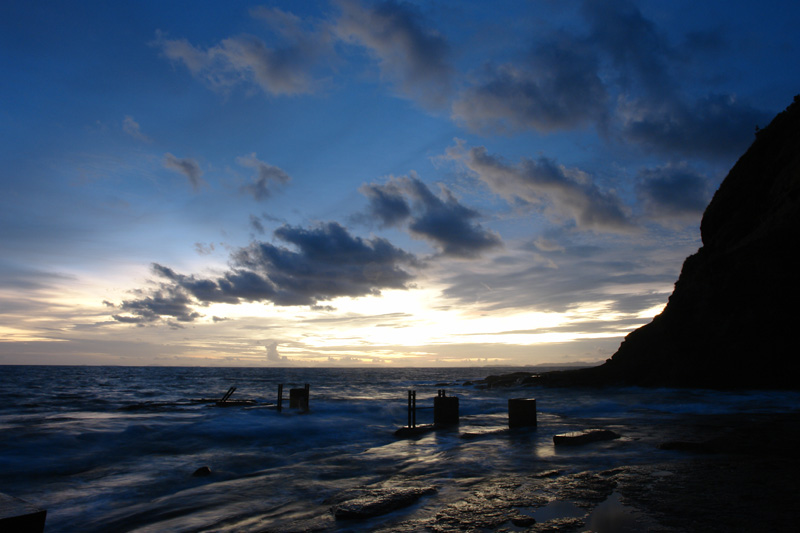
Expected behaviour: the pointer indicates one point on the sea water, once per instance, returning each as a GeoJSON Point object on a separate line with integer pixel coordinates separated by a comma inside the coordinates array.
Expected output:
{"type": "Point", "coordinates": [114, 448]}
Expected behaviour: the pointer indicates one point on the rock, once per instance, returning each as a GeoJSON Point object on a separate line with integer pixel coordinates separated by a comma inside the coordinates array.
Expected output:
{"type": "Point", "coordinates": [577, 438]}
{"type": "Point", "coordinates": [375, 502]}
{"type": "Point", "coordinates": [202, 472]}
{"type": "Point", "coordinates": [523, 521]}
{"type": "Point", "coordinates": [731, 320]}
{"type": "Point", "coordinates": [508, 380]}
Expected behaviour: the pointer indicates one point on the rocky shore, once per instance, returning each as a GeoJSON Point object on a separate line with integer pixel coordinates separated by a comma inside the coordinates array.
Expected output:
{"type": "Point", "coordinates": [719, 474]}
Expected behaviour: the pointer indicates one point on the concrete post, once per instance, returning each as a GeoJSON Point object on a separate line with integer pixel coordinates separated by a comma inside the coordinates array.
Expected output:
{"type": "Point", "coordinates": [445, 409]}
{"type": "Point", "coordinates": [521, 412]}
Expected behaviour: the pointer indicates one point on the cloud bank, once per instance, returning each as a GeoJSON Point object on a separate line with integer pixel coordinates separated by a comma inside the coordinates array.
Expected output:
{"type": "Point", "coordinates": [324, 263]}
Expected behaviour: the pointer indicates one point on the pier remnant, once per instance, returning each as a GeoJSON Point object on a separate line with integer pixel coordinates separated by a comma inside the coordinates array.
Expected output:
{"type": "Point", "coordinates": [226, 401]}
{"type": "Point", "coordinates": [521, 412]}
{"type": "Point", "coordinates": [412, 409]}
{"type": "Point", "coordinates": [298, 398]}
{"type": "Point", "coordinates": [19, 515]}
{"type": "Point", "coordinates": [280, 397]}
{"type": "Point", "coordinates": [445, 409]}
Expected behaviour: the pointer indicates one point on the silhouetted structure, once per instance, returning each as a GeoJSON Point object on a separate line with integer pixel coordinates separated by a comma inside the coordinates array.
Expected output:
{"type": "Point", "coordinates": [445, 409]}
{"type": "Point", "coordinates": [521, 412]}
{"type": "Point", "coordinates": [20, 516]}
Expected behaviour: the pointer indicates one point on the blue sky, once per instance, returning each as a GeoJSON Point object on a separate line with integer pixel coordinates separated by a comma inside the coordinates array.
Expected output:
{"type": "Point", "coordinates": [364, 183]}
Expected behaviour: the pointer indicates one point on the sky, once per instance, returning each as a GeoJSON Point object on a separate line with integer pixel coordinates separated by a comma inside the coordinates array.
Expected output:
{"type": "Point", "coordinates": [347, 183]}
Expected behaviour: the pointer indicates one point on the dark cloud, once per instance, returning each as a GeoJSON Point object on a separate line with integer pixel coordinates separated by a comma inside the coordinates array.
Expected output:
{"type": "Point", "coordinates": [412, 56]}
{"type": "Point", "coordinates": [265, 177]}
{"type": "Point", "coordinates": [559, 192]}
{"type": "Point", "coordinates": [557, 88]}
{"type": "Point", "coordinates": [188, 167]}
{"type": "Point", "coordinates": [653, 109]}
{"type": "Point", "coordinates": [622, 74]}
{"type": "Point", "coordinates": [167, 301]}
{"type": "Point", "coordinates": [450, 226]}
{"type": "Point", "coordinates": [639, 51]}
{"type": "Point", "coordinates": [245, 59]}
{"type": "Point", "coordinates": [714, 126]}
{"type": "Point", "coordinates": [387, 203]}
{"type": "Point", "coordinates": [672, 191]}
{"type": "Point", "coordinates": [326, 262]}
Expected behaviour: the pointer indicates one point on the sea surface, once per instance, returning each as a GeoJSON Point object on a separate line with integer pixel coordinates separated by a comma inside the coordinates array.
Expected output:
{"type": "Point", "coordinates": [115, 448]}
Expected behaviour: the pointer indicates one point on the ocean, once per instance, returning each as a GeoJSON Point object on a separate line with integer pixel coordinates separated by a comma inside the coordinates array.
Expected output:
{"type": "Point", "coordinates": [115, 448]}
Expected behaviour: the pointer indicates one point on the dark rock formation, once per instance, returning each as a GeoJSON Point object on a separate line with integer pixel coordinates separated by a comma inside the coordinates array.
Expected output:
{"type": "Point", "coordinates": [588, 436]}
{"type": "Point", "coordinates": [203, 471]}
{"type": "Point", "coordinates": [375, 502]}
{"type": "Point", "coordinates": [732, 319]}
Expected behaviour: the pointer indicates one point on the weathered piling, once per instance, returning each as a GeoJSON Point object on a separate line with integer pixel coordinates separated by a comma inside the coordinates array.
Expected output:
{"type": "Point", "coordinates": [19, 515]}
{"type": "Point", "coordinates": [280, 397]}
{"type": "Point", "coordinates": [227, 395]}
{"type": "Point", "coordinates": [521, 412]}
{"type": "Point", "coordinates": [298, 398]}
{"type": "Point", "coordinates": [412, 409]}
{"type": "Point", "coordinates": [445, 409]}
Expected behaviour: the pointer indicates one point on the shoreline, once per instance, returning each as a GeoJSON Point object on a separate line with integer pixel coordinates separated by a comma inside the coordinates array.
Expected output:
{"type": "Point", "coordinates": [720, 473]}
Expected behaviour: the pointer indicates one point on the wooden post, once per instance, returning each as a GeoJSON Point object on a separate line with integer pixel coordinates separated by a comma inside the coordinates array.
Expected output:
{"type": "Point", "coordinates": [280, 397]}
{"type": "Point", "coordinates": [521, 412]}
{"type": "Point", "coordinates": [412, 409]}
{"type": "Point", "coordinates": [227, 395]}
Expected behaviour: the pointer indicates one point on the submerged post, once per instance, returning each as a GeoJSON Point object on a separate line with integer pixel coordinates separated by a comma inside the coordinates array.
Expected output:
{"type": "Point", "coordinates": [298, 398]}
{"type": "Point", "coordinates": [280, 397]}
{"type": "Point", "coordinates": [521, 412]}
{"type": "Point", "coordinates": [445, 409]}
{"type": "Point", "coordinates": [19, 515]}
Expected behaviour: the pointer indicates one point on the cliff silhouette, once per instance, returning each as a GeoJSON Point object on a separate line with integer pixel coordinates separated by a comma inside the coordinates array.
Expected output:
{"type": "Point", "coordinates": [734, 317]}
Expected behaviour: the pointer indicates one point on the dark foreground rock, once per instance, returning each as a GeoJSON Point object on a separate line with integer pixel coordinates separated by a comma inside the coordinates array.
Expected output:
{"type": "Point", "coordinates": [745, 479]}
{"type": "Point", "coordinates": [577, 438]}
{"type": "Point", "coordinates": [367, 503]}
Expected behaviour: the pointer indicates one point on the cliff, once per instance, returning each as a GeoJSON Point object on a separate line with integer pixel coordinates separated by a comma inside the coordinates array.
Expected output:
{"type": "Point", "coordinates": [734, 317]}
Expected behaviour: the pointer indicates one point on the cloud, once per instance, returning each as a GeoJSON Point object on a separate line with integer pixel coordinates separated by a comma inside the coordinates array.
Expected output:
{"type": "Point", "coordinates": [266, 175]}
{"type": "Point", "coordinates": [411, 56]}
{"type": "Point", "coordinates": [558, 88]}
{"type": "Point", "coordinates": [617, 277]}
{"type": "Point", "coordinates": [653, 109]}
{"type": "Point", "coordinates": [324, 263]}
{"type": "Point", "coordinates": [272, 353]}
{"type": "Point", "coordinates": [714, 126]}
{"type": "Point", "coordinates": [256, 224]}
{"type": "Point", "coordinates": [248, 60]}
{"type": "Point", "coordinates": [640, 53]}
{"type": "Point", "coordinates": [444, 221]}
{"type": "Point", "coordinates": [621, 73]}
{"type": "Point", "coordinates": [164, 302]}
{"type": "Point", "coordinates": [188, 167]}
{"type": "Point", "coordinates": [387, 202]}
{"type": "Point", "coordinates": [560, 193]}
{"type": "Point", "coordinates": [672, 192]}
{"type": "Point", "coordinates": [132, 128]}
